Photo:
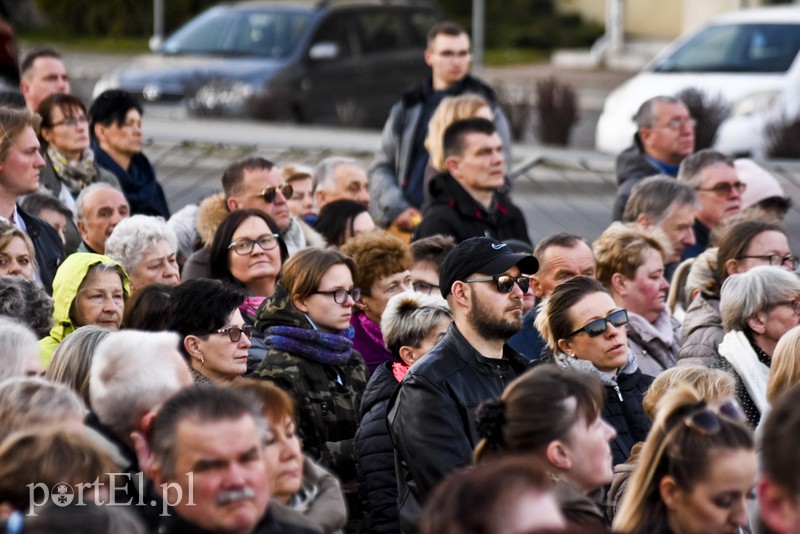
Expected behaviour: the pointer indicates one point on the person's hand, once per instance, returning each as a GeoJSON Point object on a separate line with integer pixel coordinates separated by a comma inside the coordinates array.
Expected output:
{"type": "Point", "coordinates": [407, 220]}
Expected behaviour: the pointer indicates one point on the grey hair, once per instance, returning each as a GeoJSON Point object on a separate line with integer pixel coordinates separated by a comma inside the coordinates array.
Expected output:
{"type": "Point", "coordinates": [409, 317]}
{"type": "Point", "coordinates": [18, 344]}
{"type": "Point", "coordinates": [645, 117]}
{"type": "Point", "coordinates": [79, 202]}
{"type": "Point", "coordinates": [134, 235]}
{"type": "Point", "coordinates": [131, 374]}
{"type": "Point", "coordinates": [657, 197]}
{"type": "Point", "coordinates": [72, 360]}
{"type": "Point", "coordinates": [27, 301]}
{"type": "Point", "coordinates": [26, 402]}
{"type": "Point", "coordinates": [323, 175]}
{"type": "Point", "coordinates": [745, 294]}
{"type": "Point", "coordinates": [691, 169]}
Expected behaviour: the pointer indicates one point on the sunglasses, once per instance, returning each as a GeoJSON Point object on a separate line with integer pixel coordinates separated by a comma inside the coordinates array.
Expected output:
{"type": "Point", "coordinates": [505, 282]}
{"type": "Point", "coordinates": [706, 420]}
{"type": "Point", "coordinates": [270, 193]}
{"type": "Point", "coordinates": [598, 326]}
{"type": "Point", "coordinates": [723, 189]}
{"type": "Point", "coordinates": [235, 332]}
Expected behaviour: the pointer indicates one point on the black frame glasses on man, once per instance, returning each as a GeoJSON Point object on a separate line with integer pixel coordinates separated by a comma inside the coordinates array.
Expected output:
{"type": "Point", "coordinates": [777, 260]}
{"type": "Point", "coordinates": [598, 327]}
{"type": "Point", "coordinates": [270, 193]}
{"type": "Point", "coordinates": [235, 332]}
{"type": "Point", "coordinates": [245, 246]}
{"type": "Point", "coordinates": [340, 295]}
{"type": "Point", "coordinates": [505, 282]}
{"type": "Point", "coordinates": [424, 287]}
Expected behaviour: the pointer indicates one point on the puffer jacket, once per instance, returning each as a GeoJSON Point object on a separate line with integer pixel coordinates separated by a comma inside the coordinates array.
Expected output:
{"type": "Point", "coordinates": [702, 331]}
{"type": "Point", "coordinates": [377, 479]}
{"type": "Point", "coordinates": [327, 395]}
{"type": "Point", "coordinates": [68, 280]}
{"type": "Point", "coordinates": [432, 415]}
{"type": "Point", "coordinates": [632, 167]}
{"type": "Point", "coordinates": [453, 211]}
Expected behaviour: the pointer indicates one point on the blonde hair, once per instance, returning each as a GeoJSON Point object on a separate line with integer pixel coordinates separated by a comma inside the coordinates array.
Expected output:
{"type": "Point", "coordinates": [785, 369]}
{"type": "Point", "coordinates": [709, 384]}
{"type": "Point", "coordinates": [450, 110]}
{"type": "Point", "coordinates": [620, 247]}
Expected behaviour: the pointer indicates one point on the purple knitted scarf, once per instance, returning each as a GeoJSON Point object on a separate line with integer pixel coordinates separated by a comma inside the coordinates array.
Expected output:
{"type": "Point", "coordinates": [321, 347]}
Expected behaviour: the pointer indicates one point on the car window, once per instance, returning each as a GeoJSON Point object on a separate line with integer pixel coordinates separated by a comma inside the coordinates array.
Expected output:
{"type": "Point", "coordinates": [737, 48]}
{"type": "Point", "coordinates": [336, 29]}
{"type": "Point", "coordinates": [421, 22]}
{"type": "Point", "coordinates": [383, 31]}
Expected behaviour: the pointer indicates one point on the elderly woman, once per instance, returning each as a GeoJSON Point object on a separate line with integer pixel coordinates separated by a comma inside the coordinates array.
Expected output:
{"type": "Point", "coordinates": [88, 289]}
{"type": "Point", "coordinates": [19, 350]}
{"type": "Point", "coordinates": [145, 246]}
{"type": "Point", "coordinates": [585, 329]}
{"type": "Point", "coordinates": [26, 301]}
{"type": "Point", "coordinates": [757, 308]}
{"type": "Point", "coordinates": [17, 256]}
{"type": "Point", "coordinates": [630, 263]}
{"type": "Point", "coordinates": [383, 264]}
{"type": "Point", "coordinates": [72, 360]}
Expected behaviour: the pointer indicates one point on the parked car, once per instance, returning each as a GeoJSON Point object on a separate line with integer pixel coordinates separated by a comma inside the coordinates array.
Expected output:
{"type": "Point", "coordinates": [749, 57]}
{"type": "Point", "coordinates": [341, 62]}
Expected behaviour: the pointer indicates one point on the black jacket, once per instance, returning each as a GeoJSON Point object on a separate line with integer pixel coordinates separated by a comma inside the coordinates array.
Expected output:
{"type": "Point", "coordinates": [624, 411]}
{"type": "Point", "coordinates": [377, 480]}
{"type": "Point", "coordinates": [432, 415]}
{"type": "Point", "coordinates": [269, 524]}
{"type": "Point", "coordinates": [49, 249]}
{"type": "Point", "coordinates": [632, 167]}
{"type": "Point", "coordinates": [453, 211]}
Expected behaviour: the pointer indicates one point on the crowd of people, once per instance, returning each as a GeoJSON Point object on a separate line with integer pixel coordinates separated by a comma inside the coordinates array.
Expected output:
{"type": "Point", "coordinates": [339, 349]}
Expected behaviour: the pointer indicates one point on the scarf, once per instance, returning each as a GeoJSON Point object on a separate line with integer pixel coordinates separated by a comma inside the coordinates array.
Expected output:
{"type": "Point", "coordinates": [736, 348]}
{"type": "Point", "coordinates": [609, 379]}
{"type": "Point", "coordinates": [399, 370]}
{"type": "Point", "coordinates": [372, 329]}
{"type": "Point", "coordinates": [312, 345]}
{"type": "Point", "coordinates": [250, 305]}
{"type": "Point", "coordinates": [75, 175]}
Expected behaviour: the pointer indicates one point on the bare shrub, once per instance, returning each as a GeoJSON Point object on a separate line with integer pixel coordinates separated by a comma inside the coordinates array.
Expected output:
{"type": "Point", "coordinates": [781, 138]}
{"type": "Point", "coordinates": [708, 111]}
{"type": "Point", "coordinates": [517, 109]}
{"type": "Point", "coordinates": [557, 110]}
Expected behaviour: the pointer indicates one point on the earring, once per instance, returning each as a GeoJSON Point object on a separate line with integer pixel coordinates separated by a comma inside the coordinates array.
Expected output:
{"type": "Point", "coordinates": [202, 361]}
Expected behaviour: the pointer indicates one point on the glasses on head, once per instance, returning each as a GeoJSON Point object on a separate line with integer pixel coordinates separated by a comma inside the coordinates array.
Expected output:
{"type": "Point", "coordinates": [598, 326]}
{"type": "Point", "coordinates": [706, 419]}
{"type": "Point", "coordinates": [793, 304]}
{"type": "Point", "coordinates": [270, 193]}
{"type": "Point", "coordinates": [505, 282]}
{"type": "Point", "coordinates": [340, 295]}
{"type": "Point", "coordinates": [243, 247]}
{"type": "Point", "coordinates": [788, 261]}
{"type": "Point", "coordinates": [235, 332]}
{"type": "Point", "coordinates": [677, 124]}
{"type": "Point", "coordinates": [724, 189]}
{"type": "Point", "coordinates": [71, 122]}
{"type": "Point", "coordinates": [424, 287]}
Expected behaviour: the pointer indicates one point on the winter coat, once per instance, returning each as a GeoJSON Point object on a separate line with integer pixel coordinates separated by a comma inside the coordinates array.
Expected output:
{"type": "Point", "coordinates": [68, 280]}
{"type": "Point", "coordinates": [327, 395]}
{"type": "Point", "coordinates": [579, 508]}
{"type": "Point", "coordinates": [528, 341]}
{"type": "Point", "coordinates": [377, 479]}
{"type": "Point", "coordinates": [632, 167]}
{"type": "Point", "coordinates": [320, 499]}
{"type": "Point", "coordinates": [654, 344]}
{"type": "Point", "coordinates": [453, 211]}
{"type": "Point", "coordinates": [374, 352]}
{"type": "Point", "coordinates": [388, 174]}
{"type": "Point", "coordinates": [138, 182]}
{"type": "Point", "coordinates": [48, 247]}
{"type": "Point", "coordinates": [702, 331]}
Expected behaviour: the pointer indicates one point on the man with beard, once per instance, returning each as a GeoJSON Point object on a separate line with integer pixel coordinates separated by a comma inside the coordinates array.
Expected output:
{"type": "Point", "coordinates": [432, 413]}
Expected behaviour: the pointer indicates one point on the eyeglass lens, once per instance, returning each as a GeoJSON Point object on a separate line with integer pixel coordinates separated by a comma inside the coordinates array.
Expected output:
{"type": "Point", "coordinates": [269, 194]}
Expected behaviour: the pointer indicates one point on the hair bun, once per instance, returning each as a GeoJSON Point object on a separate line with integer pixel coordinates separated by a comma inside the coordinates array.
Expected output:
{"type": "Point", "coordinates": [490, 418]}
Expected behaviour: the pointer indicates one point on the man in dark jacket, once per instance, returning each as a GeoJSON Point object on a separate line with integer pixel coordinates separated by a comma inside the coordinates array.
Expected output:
{"type": "Point", "coordinates": [467, 200]}
{"type": "Point", "coordinates": [397, 174]}
{"type": "Point", "coordinates": [664, 136]}
{"type": "Point", "coordinates": [432, 413]}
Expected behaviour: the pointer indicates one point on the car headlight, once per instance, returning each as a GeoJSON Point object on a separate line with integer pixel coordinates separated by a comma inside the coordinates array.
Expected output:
{"type": "Point", "coordinates": [219, 95]}
{"type": "Point", "coordinates": [109, 81]}
{"type": "Point", "coordinates": [755, 104]}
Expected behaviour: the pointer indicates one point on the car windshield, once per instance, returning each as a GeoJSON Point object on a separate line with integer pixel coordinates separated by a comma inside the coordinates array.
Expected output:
{"type": "Point", "coordinates": [223, 31]}
{"type": "Point", "coordinates": [737, 48]}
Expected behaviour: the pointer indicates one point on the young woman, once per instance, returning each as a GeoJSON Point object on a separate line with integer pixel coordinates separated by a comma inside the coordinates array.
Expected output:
{"type": "Point", "coordinates": [17, 256]}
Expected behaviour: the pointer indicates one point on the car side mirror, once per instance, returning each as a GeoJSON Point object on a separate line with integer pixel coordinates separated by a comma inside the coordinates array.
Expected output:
{"type": "Point", "coordinates": [324, 50]}
{"type": "Point", "coordinates": [155, 43]}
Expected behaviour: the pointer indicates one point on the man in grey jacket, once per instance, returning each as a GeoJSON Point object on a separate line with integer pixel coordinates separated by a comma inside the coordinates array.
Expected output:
{"type": "Point", "coordinates": [396, 176]}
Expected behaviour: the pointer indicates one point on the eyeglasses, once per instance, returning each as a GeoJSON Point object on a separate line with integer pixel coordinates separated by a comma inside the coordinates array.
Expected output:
{"type": "Point", "coordinates": [793, 304]}
{"type": "Point", "coordinates": [505, 282]}
{"type": "Point", "coordinates": [270, 193]}
{"type": "Point", "coordinates": [677, 124]}
{"type": "Point", "coordinates": [457, 54]}
{"type": "Point", "coordinates": [235, 332]}
{"type": "Point", "coordinates": [774, 259]}
{"type": "Point", "coordinates": [340, 295]}
{"type": "Point", "coordinates": [598, 326]}
{"type": "Point", "coordinates": [71, 122]}
{"type": "Point", "coordinates": [706, 419]}
{"type": "Point", "coordinates": [243, 247]}
{"type": "Point", "coordinates": [723, 189]}
{"type": "Point", "coordinates": [424, 287]}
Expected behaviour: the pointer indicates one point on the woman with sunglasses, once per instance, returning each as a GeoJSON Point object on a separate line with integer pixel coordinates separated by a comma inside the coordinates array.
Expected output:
{"type": "Point", "coordinates": [697, 470]}
{"type": "Point", "coordinates": [214, 337]}
{"type": "Point", "coordinates": [585, 329]}
{"type": "Point", "coordinates": [630, 263]}
{"type": "Point", "coordinates": [307, 350]}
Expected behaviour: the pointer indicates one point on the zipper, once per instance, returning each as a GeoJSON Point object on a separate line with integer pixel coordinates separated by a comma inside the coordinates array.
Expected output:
{"type": "Point", "coordinates": [619, 393]}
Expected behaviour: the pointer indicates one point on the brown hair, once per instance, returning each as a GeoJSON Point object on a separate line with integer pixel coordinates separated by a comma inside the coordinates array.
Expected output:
{"type": "Point", "coordinates": [620, 249]}
{"type": "Point", "coordinates": [12, 123]}
{"type": "Point", "coordinates": [451, 109]}
{"type": "Point", "coordinates": [376, 255]}
{"type": "Point", "coordinates": [65, 102]}
{"type": "Point", "coordinates": [303, 271]}
{"type": "Point", "coordinates": [554, 321]}
{"type": "Point", "coordinates": [733, 244]}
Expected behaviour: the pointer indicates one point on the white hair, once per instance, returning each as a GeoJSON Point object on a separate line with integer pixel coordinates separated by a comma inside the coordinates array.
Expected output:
{"type": "Point", "coordinates": [323, 176]}
{"type": "Point", "coordinates": [79, 202]}
{"type": "Point", "coordinates": [134, 235]}
{"type": "Point", "coordinates": [18, 345]}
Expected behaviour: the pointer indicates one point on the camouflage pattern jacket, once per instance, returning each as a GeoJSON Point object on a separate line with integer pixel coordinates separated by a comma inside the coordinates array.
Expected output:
{"type": "Point", "coordinates": [327, 396]}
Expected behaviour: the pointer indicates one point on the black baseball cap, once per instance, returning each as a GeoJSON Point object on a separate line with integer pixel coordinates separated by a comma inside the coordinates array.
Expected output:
{"type": "Point", "coordinates": [482, 255]}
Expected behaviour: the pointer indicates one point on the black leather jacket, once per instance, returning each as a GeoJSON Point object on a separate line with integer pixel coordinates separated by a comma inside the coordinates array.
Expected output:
{"type": "Point", "coordinates": [432, 415]}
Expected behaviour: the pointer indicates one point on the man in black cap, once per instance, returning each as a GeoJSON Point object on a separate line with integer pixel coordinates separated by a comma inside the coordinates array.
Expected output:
{"type": "Point", "coordinates": [432, 413]}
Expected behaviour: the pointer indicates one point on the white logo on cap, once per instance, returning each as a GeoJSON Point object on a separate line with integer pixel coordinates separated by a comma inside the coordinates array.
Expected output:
{"type": "Point", "coordinates": [498, 246]}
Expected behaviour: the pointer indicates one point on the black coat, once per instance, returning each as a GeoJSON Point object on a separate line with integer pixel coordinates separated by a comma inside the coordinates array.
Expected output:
{"type": "Point", "coordinates": [48, 245]}
{"type": "Point", "coordinates": [453, 211]}
{"type": "Point", "coordinates": [377, 479]}
{"type": "Point", "coordinates": [624, 411]}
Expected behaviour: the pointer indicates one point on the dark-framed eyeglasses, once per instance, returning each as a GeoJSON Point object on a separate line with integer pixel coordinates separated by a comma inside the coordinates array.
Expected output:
{"type": "Point", "coordinates": [788, 261]}
{"type": "Point", "coordinates": [235, 332]}
{"type": "Point", "coordinates": [706, 419]}
{"type": "Point", "coordinates": [270, 193]}
{"type": "Point", "coordinates": [723, 189]}
{"type": "Point", "coordinates": [243, 247]}
{"type": "Point", "coordinates": [340, 295]}
{"type": "Point", "coordinates": [598, 326]}
{"type": "Point", "coordinates": [71, 122]}
{"type": "Point", "coordinates": [505, 282]}
{"type": "Point", "coordinates": [424, 287]}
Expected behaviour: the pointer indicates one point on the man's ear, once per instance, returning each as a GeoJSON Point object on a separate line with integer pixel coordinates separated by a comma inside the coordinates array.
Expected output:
{"type": "Point", "coordinates": [460, 293]}
{"type": "Point", "coordinates": [537, 286]}
{"type": "Point", "coordinates": [644, 220]}
{"type": "Point", "coordinates": [452, 163]}
{"type": "Point", "coordinates": [233, 204]}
